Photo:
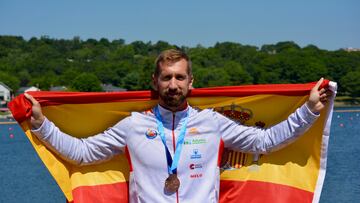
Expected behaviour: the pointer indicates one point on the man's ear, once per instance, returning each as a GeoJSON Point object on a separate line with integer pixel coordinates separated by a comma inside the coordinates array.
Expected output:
{"type": "Point", "coordinates": [154, 82]}
{"type": "Point", "coordinates": [191, 83]}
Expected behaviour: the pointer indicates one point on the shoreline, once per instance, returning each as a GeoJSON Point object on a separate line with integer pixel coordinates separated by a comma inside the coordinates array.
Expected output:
{"type": "Point", "coordinates": [342, 105]}
{"type": "Point", "coordinates": [346, 110]}
{"type": "Point", "coordinates": [8, 122]}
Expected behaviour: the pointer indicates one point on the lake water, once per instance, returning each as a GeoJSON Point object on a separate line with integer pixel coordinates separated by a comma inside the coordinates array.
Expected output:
{"type": "Point", "coordinates": [24, 178]}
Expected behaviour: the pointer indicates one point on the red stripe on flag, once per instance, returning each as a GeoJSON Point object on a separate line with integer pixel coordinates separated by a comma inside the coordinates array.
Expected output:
{"type": "Point", "coordinates": [117, 192]}
{"type": "Point", "coordinates": [21, 108]}
{"type": "Point", "coordinates": [256, 191]}
{"type": "Point", "coordinates": [46, 98]}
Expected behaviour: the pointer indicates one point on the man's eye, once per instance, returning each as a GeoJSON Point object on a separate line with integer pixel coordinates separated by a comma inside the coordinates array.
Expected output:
{"type": "Point", "coordinates": [180, 77]}
{"type": "Point", "coordinates": [166, 78]}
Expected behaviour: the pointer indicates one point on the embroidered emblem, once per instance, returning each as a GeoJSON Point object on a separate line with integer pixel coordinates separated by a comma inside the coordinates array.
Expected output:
{"type": "Point", "coordinates": [151, 134]}
{"type": "Point", "coordinates": [236, 113]}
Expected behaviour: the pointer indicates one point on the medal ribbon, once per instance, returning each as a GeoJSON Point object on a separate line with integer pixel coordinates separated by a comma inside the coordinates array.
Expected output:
{"type": "Point", "coordinates": [172, 163]}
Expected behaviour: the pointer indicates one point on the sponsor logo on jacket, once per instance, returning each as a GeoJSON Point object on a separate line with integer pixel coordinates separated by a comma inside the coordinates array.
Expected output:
{"type": "Point", "coordinates": [195, 166]}
{"type": "Point", "coordinates": [196, 154]}
{"type": "Point", "coordinates": [193, 131]}
{"type": "Point", "coordinates": [194, 141]}
{"type": "Point", "coordinates": [196, 175]}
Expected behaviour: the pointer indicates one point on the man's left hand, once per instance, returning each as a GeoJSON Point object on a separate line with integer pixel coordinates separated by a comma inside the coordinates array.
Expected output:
{"type": "Point", "coordinates": [318, 98]}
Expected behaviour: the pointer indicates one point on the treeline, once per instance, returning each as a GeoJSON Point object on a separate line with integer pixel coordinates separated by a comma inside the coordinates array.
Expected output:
{"type": "Point", "coordinates": [82, 65]}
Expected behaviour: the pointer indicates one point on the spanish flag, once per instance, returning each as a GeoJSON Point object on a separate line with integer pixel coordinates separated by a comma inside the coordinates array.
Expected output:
{"type": "Point", "coordinates": [293, 174]}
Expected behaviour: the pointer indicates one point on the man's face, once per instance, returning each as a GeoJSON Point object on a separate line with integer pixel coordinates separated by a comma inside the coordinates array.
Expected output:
{"type": "Point", "coordinates": [173, 84]}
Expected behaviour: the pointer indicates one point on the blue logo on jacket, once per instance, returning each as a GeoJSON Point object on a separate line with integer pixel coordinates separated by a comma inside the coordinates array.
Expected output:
{"type": "Point", "coordinates": [195, 154]}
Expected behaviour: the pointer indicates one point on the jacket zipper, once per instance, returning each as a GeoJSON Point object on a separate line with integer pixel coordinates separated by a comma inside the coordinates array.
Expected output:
{"type": "Point", "coordinates": [173, 141]}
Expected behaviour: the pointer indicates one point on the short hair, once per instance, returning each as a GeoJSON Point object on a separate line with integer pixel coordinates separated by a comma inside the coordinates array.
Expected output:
{"type": "Point", "coordinates": [171, 56]}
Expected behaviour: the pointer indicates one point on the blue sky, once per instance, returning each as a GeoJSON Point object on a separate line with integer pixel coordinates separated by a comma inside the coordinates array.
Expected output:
{"type": "Point", "coordinates": [328, 24]}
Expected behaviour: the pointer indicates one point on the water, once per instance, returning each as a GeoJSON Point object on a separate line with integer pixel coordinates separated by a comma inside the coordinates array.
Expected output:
{"type": "Point", "coordinates": [342, 180]}
{"type": "Point", "coordinates": [25, 179]}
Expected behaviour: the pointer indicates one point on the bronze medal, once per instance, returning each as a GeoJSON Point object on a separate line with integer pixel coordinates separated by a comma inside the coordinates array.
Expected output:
{"type": "Point", "coordinates": [172, 183]}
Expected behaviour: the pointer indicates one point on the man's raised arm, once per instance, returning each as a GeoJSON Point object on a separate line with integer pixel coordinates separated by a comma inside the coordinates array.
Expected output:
{"type": "Point", "coordinates": [258, 140]}
{"type": "Point", "coordinates": [93, 149]}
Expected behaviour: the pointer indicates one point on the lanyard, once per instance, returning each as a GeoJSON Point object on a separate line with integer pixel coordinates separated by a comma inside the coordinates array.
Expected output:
{"type": "Point", "coordinates": [172, 163]}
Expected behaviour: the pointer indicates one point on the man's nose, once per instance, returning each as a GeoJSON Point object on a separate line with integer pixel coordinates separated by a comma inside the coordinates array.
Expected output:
{"type": "Point", "coordinates": [173, 83]}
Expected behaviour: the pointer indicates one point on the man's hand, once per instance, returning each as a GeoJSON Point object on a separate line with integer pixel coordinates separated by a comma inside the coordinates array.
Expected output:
{"type": "Point", "coordinates": [318, 98]}
{"type": "Point", "coordinates": [37, 118]}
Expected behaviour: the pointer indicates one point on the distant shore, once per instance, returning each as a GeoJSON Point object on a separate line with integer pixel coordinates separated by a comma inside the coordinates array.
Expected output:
{"type": "Point", "coordinates": [346, 101]}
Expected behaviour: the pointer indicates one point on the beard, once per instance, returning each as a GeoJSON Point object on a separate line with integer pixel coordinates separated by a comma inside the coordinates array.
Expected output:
{"type": "Point", "coordinates": [173, 100]}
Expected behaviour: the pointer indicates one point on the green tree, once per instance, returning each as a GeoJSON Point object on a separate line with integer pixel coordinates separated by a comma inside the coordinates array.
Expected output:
{"type": "Point", "coordinates": [131, 81]}
{"type": "Point", "coordinates": [45, 62]}
{"type": "Point", "coordinates": [351, 83]}
{"type": "Point", "coordinates": [238, 75]}
{"type": "Point", "coordinates": [86, 82]}
{"type": "Point", "coordinates": [106, 73]}
{"type": "Point", "coordinates": [287, 46]}
{"type": "Point", "coordinates": [24, 77]}
{"type": "Point", "coordinates": [211, 77]}
{"type": "Point", "coordinates": [45, 81]}
{"type": "Point", "coordinates": [141, 48]}
{"type": "Point", "coordinates": [67, 78]}
{"type": "Point", "coordinates": [9, 80]}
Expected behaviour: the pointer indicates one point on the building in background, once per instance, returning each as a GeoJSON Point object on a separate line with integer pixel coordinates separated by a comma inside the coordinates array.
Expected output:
{"type": "Point", "coordinates": [5, 94]}
{"type": "Point", "coordinates": [351, 49]}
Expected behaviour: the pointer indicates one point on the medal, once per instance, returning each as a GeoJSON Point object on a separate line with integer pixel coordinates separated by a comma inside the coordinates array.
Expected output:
{"type": "Point", "coordinates": [172, 183]}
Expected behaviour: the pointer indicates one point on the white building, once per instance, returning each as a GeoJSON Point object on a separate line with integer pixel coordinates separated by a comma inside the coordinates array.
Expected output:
{"type": "Point", "coordinates": [5, 93]}
{"type": "Point", "coordinates": [350, 49]}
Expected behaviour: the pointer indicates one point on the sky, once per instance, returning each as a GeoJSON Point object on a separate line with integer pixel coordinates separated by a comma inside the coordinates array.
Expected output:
{"type": "Point", "coordinates": [327, 24]}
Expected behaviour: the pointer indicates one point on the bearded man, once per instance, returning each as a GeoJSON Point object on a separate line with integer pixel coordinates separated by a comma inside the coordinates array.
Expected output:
{"type": "Point", "coordinates": [153, 140]}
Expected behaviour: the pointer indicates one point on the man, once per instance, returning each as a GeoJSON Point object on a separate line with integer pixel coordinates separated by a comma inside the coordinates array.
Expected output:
{"type": "Point", "coordinates": [162, 168]}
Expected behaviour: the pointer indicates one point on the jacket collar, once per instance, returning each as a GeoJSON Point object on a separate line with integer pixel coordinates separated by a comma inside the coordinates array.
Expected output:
{"type": "Point", "coordinates": [168, 115]}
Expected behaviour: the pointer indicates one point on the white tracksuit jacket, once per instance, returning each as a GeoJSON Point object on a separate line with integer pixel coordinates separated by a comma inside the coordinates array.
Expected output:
{"type": "Point", "coordinates": [198, 168]}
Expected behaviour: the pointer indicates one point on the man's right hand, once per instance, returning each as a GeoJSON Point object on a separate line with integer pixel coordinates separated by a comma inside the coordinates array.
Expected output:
{"type": "Point", "coordinates": [37, 118]}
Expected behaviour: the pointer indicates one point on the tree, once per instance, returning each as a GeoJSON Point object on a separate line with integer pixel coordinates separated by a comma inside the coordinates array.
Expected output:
{"type": "Point", "coordinates": [45, 62]}
{"type": "Point", "coordinates": [287, 46]}
{"type": "Point", "coordinates": [160, 46]}
{"type": "Point", "coordinates": [68, 77]}
{"type": "Point", "coordinates": [140, 47]}
{"type": "Point", "coordinates": [123, 53]}
{"type": "Point", "coordinates": [211, 77]}
{"type": "Point", "coordinates": [131, 81]}
{"type": "Point", "coordinates": [45, 81]}
{"type": "Point", "coordinates": [11, 81]}
{"type": "Point", "coordinates": [206, 57]}
{"type": "Point", "coordinates": [24, 77]}
{"type": "Point", "coordinates": [87, 82]}
{"type": "Point", "coordinates": [106, 73]}
{"type": "Point", "coordinates": [238, 75]}
{"type": "Point", "coordinates": [351, 83]}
